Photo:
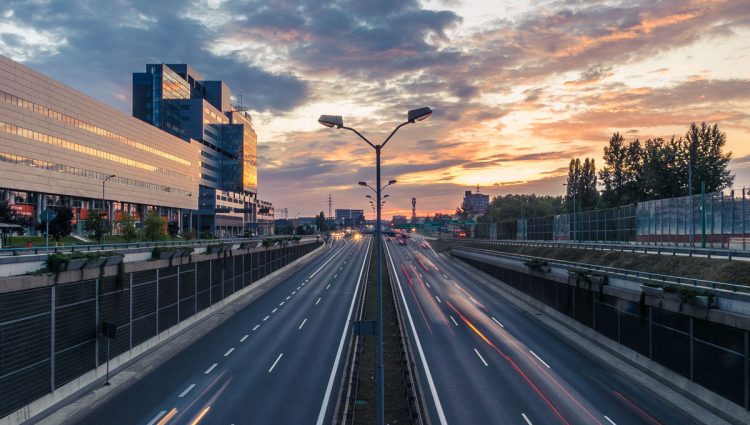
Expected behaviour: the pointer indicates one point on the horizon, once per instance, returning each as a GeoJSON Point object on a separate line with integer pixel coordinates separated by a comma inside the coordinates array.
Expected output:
{"type": "Point", "coordinates": [516, 93]}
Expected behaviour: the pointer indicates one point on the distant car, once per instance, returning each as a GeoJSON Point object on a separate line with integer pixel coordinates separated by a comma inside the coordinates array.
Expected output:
{"type": "Point", "coordinates": [424, 245]}
{"type": "Point", "coordinates": [402, 241]}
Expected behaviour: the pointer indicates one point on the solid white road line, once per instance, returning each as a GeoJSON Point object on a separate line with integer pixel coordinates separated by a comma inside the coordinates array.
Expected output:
{"type": "Point", "coordinates": [316, 302]}
{"type": "Point", "coordinates": [526, 419]}
{"type": "Point", "coordinates": [454, 321]}
{"type": "Point", "coordinates": [210, 368]}
{"type": "Point", "coordinates": [187, 390]}
{"type": "Point", "coordinates": [274, 310]}
{"type": "Point", "coordinates": [244, 338]}
{"type": "Point", "coordinates": [437, 298]}
{"type": "Point", "coordinates": [610, 420]}
{"type": "Point", "coordinates": [329, 260]}
{"type": "Point", "coordinates": [266, 318]}
{"type": "Point", "coordinates": [430, 381]}
{"type": "Point", "coordinates": [157, 417]}
{"type": "Point", "coordinates": [495, 320]}
{"type": "Point", "coordinates": [256, 327]}
{"type": "Point", "coordinates": [274, 363]}
{"type": "Point", "coordinates": [302, 324]}
{"type": "Point", "coordinates": [539, 358]}
{"type": "Point", "coordinates": [480, 357]}
{"type": "Point", "coordinates": [332, 377]}
{"type": "Point", "coordinates": [229, 352]}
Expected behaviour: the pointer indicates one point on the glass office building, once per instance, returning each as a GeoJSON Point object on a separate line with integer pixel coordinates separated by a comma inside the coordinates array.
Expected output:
{"type": "Point", "coordinates": [58, 146]}
{"type": "Point", "coordinates": [177, 99]}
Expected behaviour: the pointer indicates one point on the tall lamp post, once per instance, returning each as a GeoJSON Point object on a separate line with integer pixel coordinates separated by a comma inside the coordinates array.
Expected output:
{"type": "Point", "coordinates": [101, 239]}
{"type": "Point", "coordinates": [337, 121]}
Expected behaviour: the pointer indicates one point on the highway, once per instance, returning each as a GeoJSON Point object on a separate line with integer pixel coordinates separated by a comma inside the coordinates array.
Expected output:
{"type": "Point", "coordinates": [483, 360]}
{"type": "Point", "coordinates": [277, 361]}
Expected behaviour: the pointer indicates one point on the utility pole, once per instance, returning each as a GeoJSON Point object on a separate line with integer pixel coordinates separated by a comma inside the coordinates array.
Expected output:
{"type": "Point", "coordinates": [330, 203]}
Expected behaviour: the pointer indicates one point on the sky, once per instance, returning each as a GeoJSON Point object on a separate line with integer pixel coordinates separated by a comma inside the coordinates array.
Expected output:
{"type": "Point", "coordinates": [518, 88]}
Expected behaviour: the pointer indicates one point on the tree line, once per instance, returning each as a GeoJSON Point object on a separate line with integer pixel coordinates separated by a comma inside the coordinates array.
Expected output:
{"type": "Point", "coordinates": [657, 168]}
{"type": "Point", "coordinates": [633, 172]}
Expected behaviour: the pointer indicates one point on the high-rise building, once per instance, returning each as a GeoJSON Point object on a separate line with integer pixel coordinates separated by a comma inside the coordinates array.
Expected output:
{"type": "Point", "coordinates": [178, 100]}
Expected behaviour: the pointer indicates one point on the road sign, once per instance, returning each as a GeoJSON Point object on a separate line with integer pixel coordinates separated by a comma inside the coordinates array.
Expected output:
{"type": "Point", "coordinates": [47, 215]}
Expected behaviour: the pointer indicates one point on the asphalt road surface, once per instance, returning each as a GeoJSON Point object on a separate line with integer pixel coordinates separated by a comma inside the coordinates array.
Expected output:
{"type": "Point", "coordinates": [483, 360]}
{"type": "Point", "coordinates": [278, 361]}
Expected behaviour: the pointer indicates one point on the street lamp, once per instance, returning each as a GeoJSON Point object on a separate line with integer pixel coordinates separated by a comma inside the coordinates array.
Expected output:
{"type": "Point", "coordinates": [575, 230]}
{"type": "Point", "coordinates": [101, 239]}
{"type": "Point", "coordinates": [337, 121]}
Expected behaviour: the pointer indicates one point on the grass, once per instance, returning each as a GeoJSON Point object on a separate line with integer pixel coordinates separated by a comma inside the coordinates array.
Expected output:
{"type": "Point", "coordinates": [720, 270]}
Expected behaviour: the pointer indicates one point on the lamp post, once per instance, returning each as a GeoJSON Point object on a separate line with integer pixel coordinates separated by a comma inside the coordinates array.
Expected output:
{"type": "Point", "coordinates": [101, 239]}
{"type": "Point", "coordinates": [575, 230]}
{"type": "Point", "coordinates": [337, 121]}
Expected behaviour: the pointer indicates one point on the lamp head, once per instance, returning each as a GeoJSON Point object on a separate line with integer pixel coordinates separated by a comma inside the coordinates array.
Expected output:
{"type": "Point", "coordinates": [391, 181]}
{"type": "Point", "coordinates": [331, 120]}
{"type": "Point", "coordinates": [418, 114]}
{"type": "Point", "coordinates": [362, 183]}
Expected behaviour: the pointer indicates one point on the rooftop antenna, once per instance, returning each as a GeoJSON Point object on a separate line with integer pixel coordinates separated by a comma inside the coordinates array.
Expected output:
{"type": "Point", "coordinates": [477, 187]}
{"type": "Point", "coordinates": [330, 202]}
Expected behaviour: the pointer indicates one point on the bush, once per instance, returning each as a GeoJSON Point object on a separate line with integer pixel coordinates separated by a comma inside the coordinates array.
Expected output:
{"type": "Point", "coordinates": [57, 262]}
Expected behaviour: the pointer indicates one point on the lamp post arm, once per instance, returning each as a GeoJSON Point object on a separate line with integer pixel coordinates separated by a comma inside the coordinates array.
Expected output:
{"type": "Point", "coordinates": [360, 135]}
{"type": "Point", "coordinates": [393, 132]}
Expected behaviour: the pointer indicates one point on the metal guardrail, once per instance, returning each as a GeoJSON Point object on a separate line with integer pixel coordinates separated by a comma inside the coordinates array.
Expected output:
{"type": "Point", "coordinates": [639, 276]}
{"type": "Point", "coordinates": [114, 246]}
{"type": "Point", "coordinates": [623, 247]}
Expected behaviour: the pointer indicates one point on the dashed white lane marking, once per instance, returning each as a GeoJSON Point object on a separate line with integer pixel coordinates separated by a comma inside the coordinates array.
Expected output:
{"type": "Point", "coordinates": [274, 310]}
{"type": "Point", "coordinates": [328, 286]}
{"type": "Point", "coordinates": [526, 419]}
{"type": "Point", "coordinates": [495, 320]}
{"type": "Point", "coordinates": [302, 324]}
{"type": "Point", "coordinates": [244, 338]}
{"type": "Point", "coordinates": [539, 358]}
{"type": "Point", "coordinates": [157, 417]}
{"type": "Point", "coordinates": [294, 292]}
{"type": "Point", "coordinates": [281, 303]}
{"type": "Point", "coordinates": [299, 287]}
{"type": "Point", "coordinates": [229, 352]}
{"type": "Point", "coordinates": [256, 327]}
{"type": "Point", "coordinates": [210, 368]}
{"type": "Point", "coordinates": [445, 276]}
{"type": "Point", "coordinates": [336, 275]}
{"type": "Point", "coordinates": [287, 298]}
{"type": "Point", "coordinates": [428, 285]}
{"type": "Point", "coordinates": [454, 321]}
{"type": "Point", "coordinates": [480, 357]}
{"type": "Point", "coordinates": [316, 302]}
{"type": "Point", "coordinates": [187, 390]}
{"type": "Point", "coordinates": [438, 298]}
{"type": "Point", "coordinates": [473, 300]}
{"type": "Point", "coordinates": [274, 363]}
{"type": "Point", "coordinates": [266, 318]}
{"type": "Point", "coordinates": [610, 420]}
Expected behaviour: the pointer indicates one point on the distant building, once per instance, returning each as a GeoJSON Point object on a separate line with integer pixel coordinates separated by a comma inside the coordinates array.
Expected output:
{"type": "Point", "coordinates": [348, 217]}
{"type": "Point", "coordinates": [476, 203]}
{"type": "Point", "coordinates": [399, 220]}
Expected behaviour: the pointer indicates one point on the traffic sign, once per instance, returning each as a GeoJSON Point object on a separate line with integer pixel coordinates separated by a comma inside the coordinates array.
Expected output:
{"type": "Point", "coordinates": [47, 215]}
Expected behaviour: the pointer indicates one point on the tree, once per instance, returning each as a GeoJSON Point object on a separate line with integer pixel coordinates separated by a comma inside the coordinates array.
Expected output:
{"type": "Point", "coordinates": [96, 224]}
{"type": "Point", "coordinates": [462, 211]}
{"type": "Point", "coordinates": [61, 225]}
{"type": "Point", "coordinates": [173, 228]}
{"type": "Point", "coordinates": [702, 149]}
{"type": "Point", "coordinates": [153, 227]}
{"type": "Point", "coordinates": [582, 184]}
{"type": "Point", "coordinates": [622, 175]}
{"type": "Point", "coordinates": [320, 221]}
{"type": "Point", "coordinates": [661, 169]}
{"type": "Point", "coordinates": [126, 227]}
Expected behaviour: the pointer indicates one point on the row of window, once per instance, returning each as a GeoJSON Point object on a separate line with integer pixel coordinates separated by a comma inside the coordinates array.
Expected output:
{"type": "Point", "coordinates": [26, 104]}
{"type": "Point", "coordinates": [66, 144]}
{"type": "Point", "coordinates": [60, 168]}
